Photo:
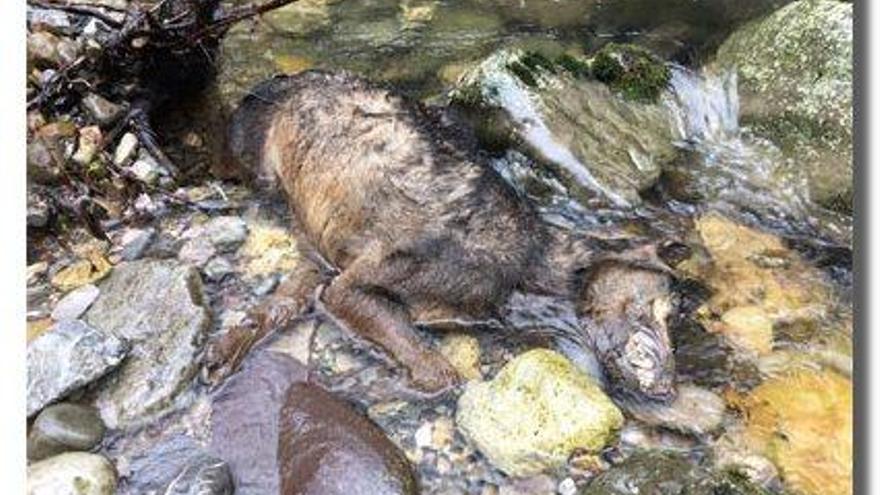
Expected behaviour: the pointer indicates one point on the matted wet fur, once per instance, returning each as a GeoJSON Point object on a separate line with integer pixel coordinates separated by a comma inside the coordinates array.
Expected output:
{"type": "Point", "coordinates": [421, 230]}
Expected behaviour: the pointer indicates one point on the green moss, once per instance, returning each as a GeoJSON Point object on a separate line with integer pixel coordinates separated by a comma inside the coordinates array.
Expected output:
{"type": "Point", "coordinates": [523, 73]}
{"type": "Point", "coordinates": [632, 71]}
{"type": "Point", "coordinates": [573, 66]}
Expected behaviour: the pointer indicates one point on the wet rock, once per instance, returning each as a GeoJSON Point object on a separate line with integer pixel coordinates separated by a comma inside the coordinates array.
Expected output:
{"type": "Point", "coordinates": [89, 143]}
{"type": "Point", "coordinates": [64, 427]}
{"type": "Point", "coordinates": [126, 149]}
{"type": "Point", "coordinates": [87, 270]}
{"type": "Point", "coordinates": [463, 353]}
{"type": "Point", "coordinates": [66, 357]}
{"type": "Point", "coordinates": [594, 140]}
{"type": "Point", "coordinates": [42, 165]}
{"type": "Point", "coordinates": [244, 422]}
{"type": "Point", "coordinates": [152, 469]}
{"type": "Point", "coordinates": [226, 233]}
{"type": "Point", "coordinates": [327, 448]}
{"type": "Point", "coordinates": [666, 473]}
{"type": "Point", "coordinates": [695, 410]}
{"type": "Point", "coordinates": [803, 423]}
{"type": "Point", "coordinates": [795, 79]}
{"type": "Point", "coordinates": [102, 109]}
{"type": "Point", "coordinates": [39, 211]}
{"type": "Point", "coordinates": [160, 308]}
{"type": "Point", "coordinates": [269, 249]}
{"type": "Point", "coordinates": [75, 303]}
{"type": "Point", "coordinates": [204, 475]}
{"type": "Point", "coordinates": [135, 242]}
{"type": "Point", "coordinates": [197, 251]}
{"type": "Point", "coordinates": [536, 412]}
{"type": "Point", "coordinates": [146, 169]}
{"type": "Point", "coordinates": [218, 268]}
{"type": "Point", "coordinates": [631, 71]}
{"type": "Point", "coordinates": [42, 49]}
{"type": "Point", "coordinates": [756, 283]}
{"type": "Point", "coordinates": [73, 473]}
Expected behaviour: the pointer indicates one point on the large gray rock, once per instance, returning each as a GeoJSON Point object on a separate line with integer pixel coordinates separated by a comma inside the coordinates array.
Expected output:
{"type": "Point", "coordinates": [795, 80]}
{"type": "Point", "coordinates": [66, 357]}
{"type": "Point", "coordinates": [73, 473]}
{"type": "Point", "coordinates": [594, 138]}
{"type": "Point", "coordinates": [160, 308]}
{"type": "Point", "coordinates": [64, 427]}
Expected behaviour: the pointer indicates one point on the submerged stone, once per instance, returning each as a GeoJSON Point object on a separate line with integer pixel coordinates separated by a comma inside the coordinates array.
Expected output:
{"type": "Point", "coordinates": [326, 448]}
{"type": "Point", "coordinates": [803, 422]}
{"type": "Point", "coordinates": [596, 141]}
{"type": "Point", "coordinates": [535, 413]}
{"type": "Point", "coordinates": [64, 427]}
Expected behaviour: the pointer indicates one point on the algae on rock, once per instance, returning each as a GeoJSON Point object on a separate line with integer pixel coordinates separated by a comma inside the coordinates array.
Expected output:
{"type": "Point", "coordinates": [535, 413]}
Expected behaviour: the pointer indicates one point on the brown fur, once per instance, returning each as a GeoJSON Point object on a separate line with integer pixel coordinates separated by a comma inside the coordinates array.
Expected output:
{"type": "Point", "coordinates": [418, 225]}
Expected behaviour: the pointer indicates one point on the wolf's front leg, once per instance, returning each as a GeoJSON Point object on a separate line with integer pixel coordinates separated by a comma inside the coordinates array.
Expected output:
{"type": "Point", "coordinates": [291, 299]}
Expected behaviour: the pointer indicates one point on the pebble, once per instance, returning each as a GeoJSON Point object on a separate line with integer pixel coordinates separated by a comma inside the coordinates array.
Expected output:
{"type": "Point", "coordinates": [42, 167]}
{"type": "Point", "coordinates": [38, 211]}
{"type": "Point", "coordinates": [463, 353]}
{"type": "Point", "coordinates": [696, 411]}
{"type": "Point", "coordinates": [266, 285]}
{"type": "Point", "coordinates": [135, 242]}
{"type": "Point", "coordinates": [218, 268]}
{"type": "Point", "coordinates": [42, 47]}
{"type": "Point", "coordinates": [567, 487]}
{"type": "Point", "coordinates": [226, 233]}
{"type": "Point", "coordinates": [126, 149]}
{"type": "Point", "coordinates": [146, 169]}
{"type": "Point", "coordinates": [102, 109]}
{"type": "Point", "coordinates": [72, 473]}
{"type": "Point", "coordinates": [196, 251]}
{"type": "Point", "coordinates": [75, 303]}
{"type": "Point", "coordinates": [89, 142]}
{"type": "Point", "coordinates": [64, 427]}
{"type": "Point", "coordinates": [204, 475]}
{"type": "Point", "coordinates": [52, 19]}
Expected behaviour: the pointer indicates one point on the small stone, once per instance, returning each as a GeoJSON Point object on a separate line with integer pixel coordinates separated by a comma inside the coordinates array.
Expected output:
{"type": "Point", "coordinates": [103, 110]}
{"type": "Point", "coordinates": [748, 328]}
{"type": "Point", "coordinates": [66, 357]}
{"type": "Point", "coordinates": [42, 167]}
{"type": "Point", "coordinates": [35, 328]}
{"type": "Point", "coordinates": [68, 51]}
{"type": "Point", "coordinates": [42, 48]}
{"type": "Point", "coordinates": [126, 149]}
{"type": "Point", "coordinates": [72, 473]}
{"type": "Point", "coordinates": [64, 427]}
{"type": "Point", "coordinates": [442, 433]}
{"type": "Point", "coordinates": [695, 410]}
{"type": "Point", "coordinates": [82, 272]}
{"type": "Point", "coordinates": [266, 285]}
{"type": "Point", "coordinates": [38, 212]}
{"type": "Point", "coordinates": [540, 484]}
{"type": "Point", "coordinates": [423, 436]}
{"type": "Point", "coordinates": [146, 169]}
{"type": "Point", "coordinates": [89, 142]}
{"type": "Point", "coordinates": [193, 140]}
{"type": "Point", "coordinates": [204, 475]}
{"type": "Point", "coordinates": [35, 271]}
{"type": "Point", "coordinates": [196, 251]}
{"type": "Point", "coordinates": [57, 129]}
{"type": "Point", "coordinates": [567, 487]}
{"type": "Point", "coordinates": [54, 20]}
{"type": "Point", "coordinates": [463, 353]}
{"type": "Point", "coordinates": [135, 242]}
{"type": "Point", "coordinates": [269, 249]}
{"type": "Point", "coordinates": [75, 303]}
{"type": "Point", "coordinates": [218, 268]}
{"type": "Point", "coordinates": [226, 233]}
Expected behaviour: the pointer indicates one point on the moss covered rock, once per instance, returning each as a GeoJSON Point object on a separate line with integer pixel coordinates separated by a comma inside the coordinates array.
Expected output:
{"type": "Point", "coordinates": [589, 133]}
{"type": "Point", "coordinates": [632, 71]}
{"type": "Point", "coordinates": [667, 473]}
{"type": "Point", "coordinates": [535, 413]}
{"type": "Point", "coordinates": [795, 80]}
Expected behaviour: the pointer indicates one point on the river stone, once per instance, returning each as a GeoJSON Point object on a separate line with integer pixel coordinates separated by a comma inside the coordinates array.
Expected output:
{"type": "Point", "coordinates": [594, 139]}
{"type": "Point", "coordinates": [204, 475]}
{"type": "Point", "coordinates": [159, 306]}
{"type": "Point", "coordinates": [153, 469]}
{"type": "Point", "coordinates": [795, 81]}
{"type": "Point", "coordinates": [695, 410]}
{"type": "Point", "coordinates": [103, 110]}
{"type": "Point", "coordinates": [75, 303]}
{"type": "Point", "coordinates": [326, 448]}
{"type": "Point", "coordinates": [244, 420]}
{"type": "Point", "coordinates": [73, 473]}
{"type": "Point", "coordinates": [535, 413]}
{"type": "Point", "coordinates": [226, 233]}
{"type": "Point", "coordinates": [666, 473]}
{"type": "Point", "coordinates": [66, 357]}
{"type": "Point", "coordinates": [64, 427]}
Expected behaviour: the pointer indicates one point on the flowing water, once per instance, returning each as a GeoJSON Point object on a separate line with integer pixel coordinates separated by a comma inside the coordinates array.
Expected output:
{"type": "Point", "coordinates": [801, 267]}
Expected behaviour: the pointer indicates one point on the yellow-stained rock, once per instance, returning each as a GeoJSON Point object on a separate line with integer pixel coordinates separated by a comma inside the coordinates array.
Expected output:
{"type": "Point", "coordinates": [749, 328]}
{"type": "Point", "coordinates": [269, 249]}
{"type": "Point", "coordinates": [803, 423]}
{"type": "Point", "coordinates": [35, 328]}
{"type": "Point", "coordinates": [84, 271]}
{"type": "Point", "coordinates": [463, 352]}
{"type": "Point", "coordinates": [291, 64]}
{"type": "Point", "coordinates": [537, 412]}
